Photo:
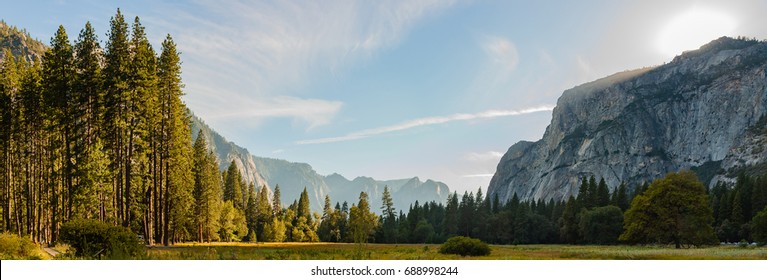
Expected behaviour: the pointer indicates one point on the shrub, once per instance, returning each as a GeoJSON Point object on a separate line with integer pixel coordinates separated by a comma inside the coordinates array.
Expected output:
{"type": "Point", "coordinates": [94, 239]}
{"type": "Point", "coordinates": [465, 246]}
{"type": "Point", "coordinates": [14, 247]}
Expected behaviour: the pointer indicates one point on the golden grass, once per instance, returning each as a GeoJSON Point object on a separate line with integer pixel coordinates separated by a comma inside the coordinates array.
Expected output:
{"type": "Point", "coordinates": [346, 251]}
{"type": "Point", "coordinates": [14, 247]}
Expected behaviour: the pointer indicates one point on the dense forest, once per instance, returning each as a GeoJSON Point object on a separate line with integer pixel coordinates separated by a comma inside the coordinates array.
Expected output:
{"type": "Point", "coordinates": [96, 133]}
{"type": "Point", "coordinates": [102, 134]}
{"type": "Point", "coordinates": [595, 216]}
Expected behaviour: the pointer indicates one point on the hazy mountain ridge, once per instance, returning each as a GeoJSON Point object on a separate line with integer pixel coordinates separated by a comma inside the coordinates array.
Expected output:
{"type": "Point", "coordinates": [694, 112]}
{"type": "Point", "coordinates": [292, 177]}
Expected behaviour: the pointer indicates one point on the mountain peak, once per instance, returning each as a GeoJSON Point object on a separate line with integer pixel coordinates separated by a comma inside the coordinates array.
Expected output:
{"type": "Point", "coordinates": [717, 45]}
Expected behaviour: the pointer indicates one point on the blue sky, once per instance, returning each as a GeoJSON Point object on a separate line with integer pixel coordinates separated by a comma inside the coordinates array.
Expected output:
{"type": "Point", "coordinates": [395, 89]}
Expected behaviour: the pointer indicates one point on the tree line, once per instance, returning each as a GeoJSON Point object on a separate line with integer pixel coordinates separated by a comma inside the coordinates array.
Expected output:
{"type": "Point", "coordinates": [595, 216]}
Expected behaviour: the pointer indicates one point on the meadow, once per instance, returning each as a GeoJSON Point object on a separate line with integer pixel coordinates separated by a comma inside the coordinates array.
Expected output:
{"type": "Point", "coordinates": [345, 251]}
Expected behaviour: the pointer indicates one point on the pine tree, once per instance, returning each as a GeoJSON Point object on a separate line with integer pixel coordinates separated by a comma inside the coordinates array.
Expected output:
{"type": "Point", "coordinates": [276, 201]}
{"type": "Point", "coordinates": [87, 91]}
{"type": "Point", "coordinates": [207, 190]}
{"type": "Point", "coordinates": [389, 217]}
{"type": "Point", "coordinates": [58, 74]}
{"type": "Point", "coordinates": [116, 77]}
{"type": "Point", "coordinates": [602, 194]}
{"type": "Point", "coordinates": [232, 189]}
{"type": "Point", "coordinates": [568, 230]}
{"type": "Point", "coordinates": [303, 206]}
{"type": "Point", "coordinates": [451, 216]}
{"type": "Point", "coordinates": [251, 213]}
{"type": "Point", "coordinates": [179, 187]}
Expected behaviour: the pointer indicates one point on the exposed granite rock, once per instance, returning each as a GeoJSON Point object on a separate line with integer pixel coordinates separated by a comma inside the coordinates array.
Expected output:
{"type": "Point", "coordinates": [692, 113]}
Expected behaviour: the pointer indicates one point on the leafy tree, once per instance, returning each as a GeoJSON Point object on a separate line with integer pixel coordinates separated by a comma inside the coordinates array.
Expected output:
{"type": "Point", "coordinates": [423, 232]}
{"type": "Point", "coordinates": [274, 231]}
{"type": "Point", "coordinates": [362, 222]}
{"type": "Point", "coordinates": [601, 225]}
{"type": "Point", "coordinates": [759, 226]}
{"type": "Point", "coordinates": [674, 209]}
{"type": "Point", "coordinates": [233, 224]}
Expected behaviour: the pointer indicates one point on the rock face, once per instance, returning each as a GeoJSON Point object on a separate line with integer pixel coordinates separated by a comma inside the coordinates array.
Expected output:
{"type": "Point", "coordinates": [22, 45]}
{"type": "Point", "coordinates": [226, 152]}
{"type": "Point", "coordinates": [704, 111]}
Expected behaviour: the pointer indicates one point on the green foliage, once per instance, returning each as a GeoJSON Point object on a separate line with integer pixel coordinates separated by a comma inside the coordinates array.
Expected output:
{"type": "Point", "coordinates": [362, 222]}
{"type": "Point", "coordinates": [95, 239]}
{"type": "Point", "coordinates": [14, 247]}
{"type": "Point", "coordinates": [207, 191]}
{"type": "Point", "coordinates": [759, 226]}
{"type": "Point", "coordinates": [601, 225]}
{"type": "Point", "coordinates": [568, 224]}
{"type": "Point", "coordinates": [465, 246]}
{"type": "Point", "coordinates": [275, 231]}
{"type": "Point", "coordinates": [673, 210]}
{"type": "Point", "coordinates": [232, 222]}
{"type": "Point", "coordinates": [423, 232]}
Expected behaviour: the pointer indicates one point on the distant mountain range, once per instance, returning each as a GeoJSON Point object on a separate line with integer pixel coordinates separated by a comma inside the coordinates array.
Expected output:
{"type": "Point", "coordinates": [706, 111]}
{"type": "Point", "coordinates": [292, 177]}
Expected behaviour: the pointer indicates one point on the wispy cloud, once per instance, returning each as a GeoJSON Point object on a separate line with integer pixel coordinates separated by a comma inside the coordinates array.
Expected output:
{"type": "Point", "coordinates": [313, 112]}
{"type": "Point", "coordinates": [502, 52]}
{"type": "Point", "coordinates": [267, 50]}
{"type": "Point", "coordinates": [424, 122]}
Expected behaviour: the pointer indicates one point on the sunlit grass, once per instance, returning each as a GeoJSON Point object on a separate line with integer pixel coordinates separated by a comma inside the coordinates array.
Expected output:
{"type": "Point", "coordinates": [14, 247]}
{"type": "Point", "coordinates": [346, 251]}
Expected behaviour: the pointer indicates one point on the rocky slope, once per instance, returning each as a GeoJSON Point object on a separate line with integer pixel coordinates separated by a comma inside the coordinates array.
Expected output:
{"type": "Point", "coordinates": [227, 152]}
{"type": "Point", "coordinates": [701, 111]}
{"type": "Point", "coordinates": [20, 43]}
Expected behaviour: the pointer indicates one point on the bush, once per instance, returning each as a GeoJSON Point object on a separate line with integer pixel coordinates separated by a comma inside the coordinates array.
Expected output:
{"type": "Point", "coordinates": [465, 246]}
{"type": "Point", "coordinates": [95, 239]}
{"type": "Point", "coordinates": [14, 247]}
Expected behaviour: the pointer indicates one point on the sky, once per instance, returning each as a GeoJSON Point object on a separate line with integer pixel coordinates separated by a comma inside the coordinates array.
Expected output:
{"type": "Point", "coordinates": [396, 89]}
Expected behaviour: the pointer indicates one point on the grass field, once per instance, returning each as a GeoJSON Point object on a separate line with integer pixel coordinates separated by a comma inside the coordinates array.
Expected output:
{"type": "Point", "coordinates": [335, 251]}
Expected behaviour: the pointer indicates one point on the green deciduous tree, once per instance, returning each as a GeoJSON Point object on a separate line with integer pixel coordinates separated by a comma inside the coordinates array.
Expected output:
{"type": "Point", "coordinates": [673, 210]}
{"type": "Point", "coordinates": [759, 226]}
{"type": "Point", "coordinates": [601, 225]}
{"type": "Point", "coordinates": [362, 222]}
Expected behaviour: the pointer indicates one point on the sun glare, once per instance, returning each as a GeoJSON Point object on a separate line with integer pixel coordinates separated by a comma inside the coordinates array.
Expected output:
{"type": "Point", "coordinates": [692, 29]}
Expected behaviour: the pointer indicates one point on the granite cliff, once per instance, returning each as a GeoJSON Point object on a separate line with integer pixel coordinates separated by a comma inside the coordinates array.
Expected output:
{"type": "Point", "coordinates": [704, 111]}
